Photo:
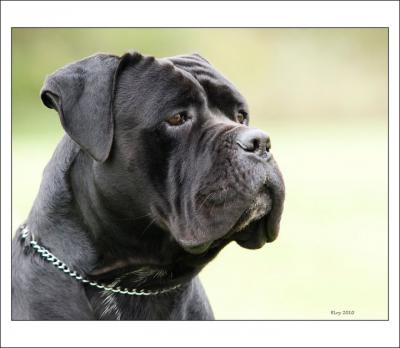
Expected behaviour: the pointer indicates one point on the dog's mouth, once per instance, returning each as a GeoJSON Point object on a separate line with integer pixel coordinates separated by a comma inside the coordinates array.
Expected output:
{"type": "Point", "coordinates": [259, 223]}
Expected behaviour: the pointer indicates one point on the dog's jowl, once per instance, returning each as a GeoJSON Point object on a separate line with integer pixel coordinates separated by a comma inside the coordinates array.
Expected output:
{"type": "Point", "coordinates": [157, 172]}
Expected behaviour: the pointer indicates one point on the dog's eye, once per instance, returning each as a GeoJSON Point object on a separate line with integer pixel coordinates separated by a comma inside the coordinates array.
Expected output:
{"type": "Point", "coordinates": [241, 117]}
{"type": "Point", "coordinates": [177, 119]}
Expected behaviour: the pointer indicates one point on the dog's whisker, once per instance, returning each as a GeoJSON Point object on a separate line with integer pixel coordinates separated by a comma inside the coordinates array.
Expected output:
{"type": "Point", "coordinates": [135, 218]}
{"type": "Point", "coordinates": [148, 226]}
{"type": "Point", "coordinates": [206, 199]}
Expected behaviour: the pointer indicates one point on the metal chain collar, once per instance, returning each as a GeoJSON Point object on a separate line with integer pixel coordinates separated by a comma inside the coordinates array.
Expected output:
{"type": "Point", "coordinates": [49, 257]}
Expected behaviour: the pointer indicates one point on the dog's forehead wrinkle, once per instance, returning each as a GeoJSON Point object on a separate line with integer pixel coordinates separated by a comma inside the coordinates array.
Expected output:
{"type": "Point", "coordinates": [190, 79]}
{"type": "Point", "coordinates": [199, 71]}
{"type": "Point", "coordinates": [206, 74]}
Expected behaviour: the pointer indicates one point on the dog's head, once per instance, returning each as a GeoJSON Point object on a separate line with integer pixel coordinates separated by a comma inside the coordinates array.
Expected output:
{"type": "Point", "coordinates": [170, 139]}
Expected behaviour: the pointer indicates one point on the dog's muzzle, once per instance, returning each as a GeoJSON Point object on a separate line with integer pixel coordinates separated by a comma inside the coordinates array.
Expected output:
{"type": "Point", "coordinates": [259, 220]}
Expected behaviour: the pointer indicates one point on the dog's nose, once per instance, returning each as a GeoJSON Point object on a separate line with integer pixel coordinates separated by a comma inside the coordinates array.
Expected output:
{"type": "Point", "coordinates": [254, 140]}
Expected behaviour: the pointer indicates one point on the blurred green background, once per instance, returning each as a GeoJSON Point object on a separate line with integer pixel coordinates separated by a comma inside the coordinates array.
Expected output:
{"type": "Point", "coordinates": [321, 94]}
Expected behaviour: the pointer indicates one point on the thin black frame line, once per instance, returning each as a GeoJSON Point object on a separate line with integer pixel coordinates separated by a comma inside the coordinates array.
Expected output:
{"type": "Point", "coordinates": [228, 320]}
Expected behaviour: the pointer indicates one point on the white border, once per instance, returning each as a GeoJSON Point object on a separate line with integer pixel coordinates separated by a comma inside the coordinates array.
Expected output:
{"type": "Point", "coordinates": [271, 14]}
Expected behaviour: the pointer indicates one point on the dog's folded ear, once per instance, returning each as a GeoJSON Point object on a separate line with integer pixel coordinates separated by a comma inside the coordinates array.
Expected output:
{"type": "Point", "coordinates": [82, 93]}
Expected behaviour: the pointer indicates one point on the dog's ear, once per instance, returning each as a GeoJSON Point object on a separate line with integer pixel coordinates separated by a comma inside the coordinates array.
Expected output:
{"type": "Point", "coordinates": [82, 93]}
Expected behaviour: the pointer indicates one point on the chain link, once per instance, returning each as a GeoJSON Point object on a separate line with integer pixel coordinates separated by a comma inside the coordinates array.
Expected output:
{"type": "Point", "coordinates": [49, 257]}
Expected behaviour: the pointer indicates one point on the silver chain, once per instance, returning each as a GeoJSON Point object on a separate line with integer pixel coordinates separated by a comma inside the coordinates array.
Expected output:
{"type": "Point", "coordinates": [49, 257]}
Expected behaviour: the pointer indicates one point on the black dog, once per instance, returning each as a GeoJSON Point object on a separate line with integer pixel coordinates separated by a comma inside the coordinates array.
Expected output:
{"type": "Point", "coordinates": [157, 172]}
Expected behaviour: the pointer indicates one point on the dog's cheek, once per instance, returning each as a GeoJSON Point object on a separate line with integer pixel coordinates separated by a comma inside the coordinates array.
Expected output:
{"type": "Point", "coordinates": [155, 152]}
